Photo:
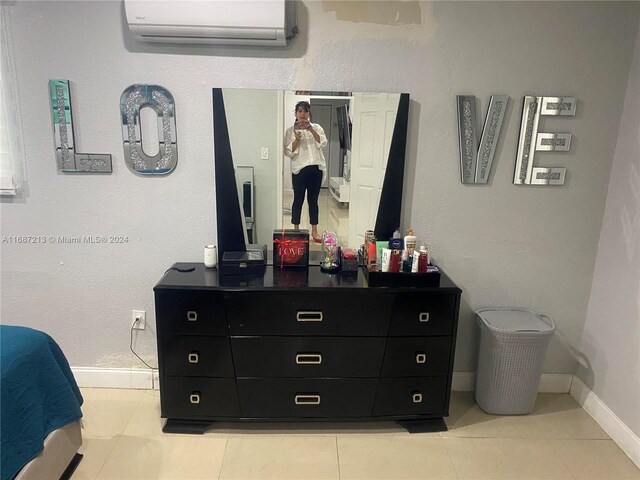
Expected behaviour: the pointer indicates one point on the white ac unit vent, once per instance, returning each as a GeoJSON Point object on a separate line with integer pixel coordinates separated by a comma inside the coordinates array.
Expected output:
{"type": "Point", "coordinates": [230, 22]}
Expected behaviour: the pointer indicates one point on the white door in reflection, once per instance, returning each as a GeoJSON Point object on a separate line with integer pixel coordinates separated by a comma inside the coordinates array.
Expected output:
{"type": "Point", "coordinates": [374, 117]}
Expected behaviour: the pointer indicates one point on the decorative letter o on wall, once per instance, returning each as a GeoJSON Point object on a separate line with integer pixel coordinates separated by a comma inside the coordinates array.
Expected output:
{"type": "Point", "coordinates": [161, 101]}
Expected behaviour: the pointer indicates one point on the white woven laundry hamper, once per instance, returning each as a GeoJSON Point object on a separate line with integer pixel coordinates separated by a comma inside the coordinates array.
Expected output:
{"type": "Point", "coordinates": [513, 343]}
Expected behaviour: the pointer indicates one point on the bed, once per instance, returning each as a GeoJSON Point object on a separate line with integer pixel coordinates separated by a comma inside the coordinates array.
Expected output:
{"type": "Point", "coordinates": [39, 407]}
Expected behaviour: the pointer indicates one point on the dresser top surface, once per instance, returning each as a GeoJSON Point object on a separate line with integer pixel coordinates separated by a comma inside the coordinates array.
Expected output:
{"type": "Point", "coordinates": [196, 276]}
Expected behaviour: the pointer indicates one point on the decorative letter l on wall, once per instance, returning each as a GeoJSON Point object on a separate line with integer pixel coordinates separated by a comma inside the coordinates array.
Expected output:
{"type": "Point", "coordinates": [68, 160]}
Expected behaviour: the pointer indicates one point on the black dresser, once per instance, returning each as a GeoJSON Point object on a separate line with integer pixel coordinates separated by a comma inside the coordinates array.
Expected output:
{"type": "Point", "coordinates": [301, 345]}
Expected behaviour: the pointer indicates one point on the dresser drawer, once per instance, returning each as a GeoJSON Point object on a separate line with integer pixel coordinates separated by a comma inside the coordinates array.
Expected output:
{"type": "Point", "coordinates": [423, 314]}
{"type": "Point", "coordinates": [416, 356]}
{"type": "Point", "coordinates": [198, 357]}
{"type": "Point", "coordinates": [302, 398]}
{"type": "Point", "coordinates": [411, 396]}
{"type": "Point", "coordinates": [195, 397]}
{"type": "Point", "coordinates": [345, 313]}
{"type": "Point", "coordinates": [308, 356]}
{"type": "Point", "coordinates": [191, 312]}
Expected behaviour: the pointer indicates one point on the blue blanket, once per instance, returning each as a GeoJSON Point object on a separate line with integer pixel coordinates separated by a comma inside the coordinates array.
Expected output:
{"type": "Point", "coordinates": [38, 395]}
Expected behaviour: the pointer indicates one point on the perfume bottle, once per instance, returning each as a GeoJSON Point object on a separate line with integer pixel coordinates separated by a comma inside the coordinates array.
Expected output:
{"type": "Point", "coordinates": [423, 259]}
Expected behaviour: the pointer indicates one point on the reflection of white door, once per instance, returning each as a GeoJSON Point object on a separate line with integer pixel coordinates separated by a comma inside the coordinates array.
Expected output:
{"type": "Point", "coordinates": [373, 117]}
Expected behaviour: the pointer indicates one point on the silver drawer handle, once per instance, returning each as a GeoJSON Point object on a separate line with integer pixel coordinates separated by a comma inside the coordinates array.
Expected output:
{"type": "Point", "coordinates": [192, 316]}
{"type": "Point", "coordinates": [423, 317]}
{"type": "Point", "coordinates": [309, 316]}
{"type": "Point", "coordinates": [416, 397]}
{"type": "Point", "coordinates": [194, 357]}
{"type": "Point", "coordinates": [194, 398]}
{"type": "Point", "coordinates": [308, 358]}
{"type": "Point", "coordinates": [307, 399]}
{"type": "Point", "coordinates": [421, 358]}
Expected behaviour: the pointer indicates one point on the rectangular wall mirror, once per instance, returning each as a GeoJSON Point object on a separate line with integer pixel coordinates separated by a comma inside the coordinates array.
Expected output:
{"type": "Point", "coordinates": [362, 184]}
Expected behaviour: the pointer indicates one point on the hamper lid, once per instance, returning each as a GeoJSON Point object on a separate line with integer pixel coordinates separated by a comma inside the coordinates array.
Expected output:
{"type": "Point", "coordinates": [515, 320]}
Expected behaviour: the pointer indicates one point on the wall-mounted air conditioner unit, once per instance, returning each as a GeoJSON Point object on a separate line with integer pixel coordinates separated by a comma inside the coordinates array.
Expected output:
{"type": "Point", "coordinates": [230, 22]}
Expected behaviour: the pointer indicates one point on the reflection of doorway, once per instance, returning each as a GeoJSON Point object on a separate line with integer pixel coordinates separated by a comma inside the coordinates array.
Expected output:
{"type": "Point", "coordinates": [333, 215]}
{"type": "Point", "coordinates": [324, 113]}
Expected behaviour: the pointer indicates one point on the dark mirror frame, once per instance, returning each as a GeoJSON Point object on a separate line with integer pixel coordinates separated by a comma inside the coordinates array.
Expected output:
{"type": "Point", "coordinates": [229, 221]}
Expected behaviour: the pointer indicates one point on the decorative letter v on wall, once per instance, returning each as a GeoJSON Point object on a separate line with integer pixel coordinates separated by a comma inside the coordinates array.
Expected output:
{"type": "Point", "coordinates": [475, 161]}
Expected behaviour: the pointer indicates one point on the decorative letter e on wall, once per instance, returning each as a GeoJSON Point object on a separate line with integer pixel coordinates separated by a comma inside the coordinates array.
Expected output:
{"type": "Point", "coordinates": [526, 173]}
{"type": "Point", "coordinates": [69, 161]}
{"type": "Point", "coordinates": [161, 101]}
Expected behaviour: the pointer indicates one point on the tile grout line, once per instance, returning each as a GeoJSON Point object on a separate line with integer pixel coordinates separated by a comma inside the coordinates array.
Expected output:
{"type": "Point", "coordinates": [118, 436]}
{"type": "Point", "coordinates": [115, 444]}
{"type": "Point", "coordinates": [338, 457]}
{"type": "Point", "coordinates": [224, 454]}
{"type": "Point", "coordinates": [133, 413]}
{"type": "Point", "coordinates": [453, 465]}
{"type": "Point", "coordinates": [559, 457]}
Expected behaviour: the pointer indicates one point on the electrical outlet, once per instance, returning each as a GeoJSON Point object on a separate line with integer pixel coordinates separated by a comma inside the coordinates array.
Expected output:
{"type": "Point", "coordinates": [140, 315]}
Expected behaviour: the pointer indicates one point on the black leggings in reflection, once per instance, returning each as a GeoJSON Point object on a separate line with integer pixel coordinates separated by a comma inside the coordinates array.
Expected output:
{"type": "Point", "coordinates": [309, 179]}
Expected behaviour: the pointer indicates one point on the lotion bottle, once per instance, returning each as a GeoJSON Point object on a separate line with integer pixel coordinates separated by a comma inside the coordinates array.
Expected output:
{"type": "Point", "coordinates": [414, 264]}
{"type": "Point", "coordinates": [409, 244]}
{"type": "Point", "coordinates": [395, 242]}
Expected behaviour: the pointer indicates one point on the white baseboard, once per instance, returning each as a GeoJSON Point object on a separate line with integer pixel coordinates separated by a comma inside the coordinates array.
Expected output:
{"type": "Point", "coordinates": [619, 432]}
{"type": "Point", "coordinates": [113, 377]}
{"type": "Point", "coordinates": [463, 382]}
{"type": "Point", "coordinates": [549, 383]}
{"type": "Point", "coordinates": [555, 383]}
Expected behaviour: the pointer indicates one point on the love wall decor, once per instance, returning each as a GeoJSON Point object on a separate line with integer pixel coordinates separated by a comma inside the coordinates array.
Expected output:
{"type": "Point", "coordinates": [132, 100]}
{"type": "Point", "coordinates": [476, 156]}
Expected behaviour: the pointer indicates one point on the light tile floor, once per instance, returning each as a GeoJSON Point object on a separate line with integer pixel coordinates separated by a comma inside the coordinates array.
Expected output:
{"type": "Point", "coordinates": [559, 440]}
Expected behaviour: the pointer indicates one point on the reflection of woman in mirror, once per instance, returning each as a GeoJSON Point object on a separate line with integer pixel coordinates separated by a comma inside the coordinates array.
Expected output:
{"type": "Point", "coordinates": [303, 144]}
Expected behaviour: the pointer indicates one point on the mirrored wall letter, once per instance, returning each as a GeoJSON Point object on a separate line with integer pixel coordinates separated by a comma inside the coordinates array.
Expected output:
{"type": "Point", "coordinates": [68, 160]}
{"type": "Point", "coordinates": [161, 101]}
{"type": "Point", "coordinates": [475, 160]}
{"type": "Point", "coordinates": [530, 141]}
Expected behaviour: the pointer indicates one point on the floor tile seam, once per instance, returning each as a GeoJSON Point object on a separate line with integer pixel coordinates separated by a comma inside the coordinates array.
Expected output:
{"type": "Point", "coordinates": [106, 458]}
{"type": "Point", "coordinates": [388, 435]}
{"type": "Point", "coordinates": [338, 457]}
{"type": "Point", "coordinates": [133, 412]}
{"type": "Point", "coordinates": [263, 435]}
{"type": "Point", "coordinates": [554, 453]}
{"type": "Point", "coordinates": [548, 437]}
{"type": "Point", "coordinates": [224, 454]}
{"type": "Point", "coordinates": [493, 437]}
{"type": "Point", "coordinates": [453, 464]}
{"type": "Point", "coordinates": [560, 459]}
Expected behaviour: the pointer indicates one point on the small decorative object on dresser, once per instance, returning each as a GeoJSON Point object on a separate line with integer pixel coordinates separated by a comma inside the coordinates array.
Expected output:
{"type": "Point", "coordinates": [210, 256]}
{"type": "Point", "coordinates": [242, 263]}
{"type": "Point", "coordinates": [290, 248]}
{"type": "Point", "coordinates": [321, 348]}
{"type": "Point", "coordinates": [331, 261]}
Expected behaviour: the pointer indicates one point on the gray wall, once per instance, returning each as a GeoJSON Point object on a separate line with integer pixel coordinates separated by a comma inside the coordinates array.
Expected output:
{"type": "Point", "coordinates": [503, 244]}
{"type": "Point", "coordinates": [251, 122]}
{"type": "Point", "coordinates": [610, 362]}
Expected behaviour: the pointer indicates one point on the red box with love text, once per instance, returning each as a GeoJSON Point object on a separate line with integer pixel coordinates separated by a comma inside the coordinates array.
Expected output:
{"type": "Point", "coordinates": [290, 248]}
